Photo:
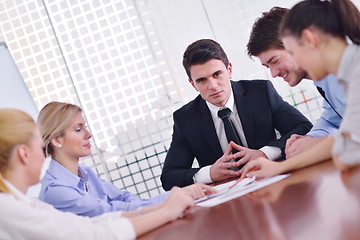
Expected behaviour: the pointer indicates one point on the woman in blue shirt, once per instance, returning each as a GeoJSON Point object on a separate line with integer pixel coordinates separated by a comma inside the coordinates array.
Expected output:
{"type": "Point", "coordinates": [21, 217]}
{"type": "Point", "coordinates": [70, 186]}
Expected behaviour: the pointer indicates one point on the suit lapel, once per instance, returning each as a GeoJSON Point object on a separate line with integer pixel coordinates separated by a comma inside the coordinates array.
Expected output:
{"type": "Point", "coordinates": [208, 128]}
{"type": "Point", "coordinates": [243, 105]}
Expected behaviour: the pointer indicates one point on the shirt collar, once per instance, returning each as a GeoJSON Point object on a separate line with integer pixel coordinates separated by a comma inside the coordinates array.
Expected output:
{"type": "Point", "coordinates": [63, 174]}
{"type": "Point", "coordinates": [17, 193]}
{"type": "Point", "coordinates": [83, 174]}
{"type": "Point", "coordinates": [229, 104]}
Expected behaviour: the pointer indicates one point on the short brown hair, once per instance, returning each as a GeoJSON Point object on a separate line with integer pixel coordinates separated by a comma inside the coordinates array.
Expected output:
{"type": "Point", "coordinates": [265, 32]}
{"type": "Point", "coordinates": [201, 51]}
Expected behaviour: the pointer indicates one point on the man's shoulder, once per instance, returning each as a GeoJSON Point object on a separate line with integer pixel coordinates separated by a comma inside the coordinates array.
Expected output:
{"type": "Point", "coordinates": [190, 106]}
{"type": "Point", "coordinates": [254, 82]}
{"type": "Point", "coordinates": [252, 85]}
{"type": "Point", "coordinates": [328, 81]}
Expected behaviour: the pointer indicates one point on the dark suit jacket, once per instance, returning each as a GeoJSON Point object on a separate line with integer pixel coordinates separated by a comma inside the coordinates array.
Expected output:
{"type": "Point", "coordinates": [261, 111]}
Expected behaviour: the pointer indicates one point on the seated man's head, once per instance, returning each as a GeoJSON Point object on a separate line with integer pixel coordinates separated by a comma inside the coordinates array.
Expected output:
{"type": "Point", "coordinates": [209, 71]}
{"type": "Point", "coordinates": [265, 43]}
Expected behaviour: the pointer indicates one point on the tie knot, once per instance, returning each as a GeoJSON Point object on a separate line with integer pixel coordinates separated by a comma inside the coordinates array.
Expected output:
{"type": "Point", "coordinates": [224, 113]}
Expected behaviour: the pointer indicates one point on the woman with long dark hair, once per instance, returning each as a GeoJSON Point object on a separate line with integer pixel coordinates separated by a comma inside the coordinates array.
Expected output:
{"type": "Point", "coordinates": [324, 37]}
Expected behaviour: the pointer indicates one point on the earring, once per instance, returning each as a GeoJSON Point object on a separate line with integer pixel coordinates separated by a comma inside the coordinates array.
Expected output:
{"type": "Point", "coordinates": [59, 146]}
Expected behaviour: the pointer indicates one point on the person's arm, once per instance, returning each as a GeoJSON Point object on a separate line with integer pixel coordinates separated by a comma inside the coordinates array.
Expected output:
{"type": "Point", "coordinates": [153, 217]}
{"type": "Point", "coordinates": [339, 165]}
{"type": "Point", "coordinates": [287, 119]}
{"type": "Point", "coordinates": [346, 150]}
{"type": "Point", "coordinates": [116, 196]}
{"type": "Point", "coordinates": [45, 220]}
{"type": "Point", "coordinates": [151, 220]}
{"type": "Point", "coordinates": [220, 170]}
{"type": "Point", "coordinates": [246, 154]}
{"type": "Point", "coordinates": [177, 169]}
{"type": "Point", "coordinates": [32, 219]}
{"type": "Point", "coordinates": [327, 124]}
{"type": "Point", "coordinates": [68, 199]}
{"type": "Point", "coordinates": [297, 144]}
{"type": "Point", "coordinates": [318, 153]}
{"type": "Point", "coordinates": [177, 172]}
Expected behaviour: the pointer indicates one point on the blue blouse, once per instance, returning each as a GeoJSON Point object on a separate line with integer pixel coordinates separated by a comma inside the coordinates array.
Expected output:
{"type": "Point", "coordinates": [329, 122]}
{"type": "Point", "coordinates": [87, 194]}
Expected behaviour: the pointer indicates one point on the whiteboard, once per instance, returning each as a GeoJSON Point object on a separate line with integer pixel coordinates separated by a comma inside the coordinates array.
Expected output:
{"type": "Point", "coordinates": [13, 91]}
{"type": "Point", "coordinates": [15, 94]}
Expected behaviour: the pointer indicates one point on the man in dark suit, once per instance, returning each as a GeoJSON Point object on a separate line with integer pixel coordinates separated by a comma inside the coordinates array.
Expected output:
{"type": "Point", "coordinates": [256, 111]}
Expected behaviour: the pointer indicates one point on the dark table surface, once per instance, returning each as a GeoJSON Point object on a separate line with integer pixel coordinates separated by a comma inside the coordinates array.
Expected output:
{"type": "Point", "coordinates": [318, 202]}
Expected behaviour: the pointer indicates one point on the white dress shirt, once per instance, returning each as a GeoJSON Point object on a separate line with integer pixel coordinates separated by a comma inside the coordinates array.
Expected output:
{"type": "Point", "coordinates": [22, 217]}
{"type": "Point", "coordinates": [272, 153]}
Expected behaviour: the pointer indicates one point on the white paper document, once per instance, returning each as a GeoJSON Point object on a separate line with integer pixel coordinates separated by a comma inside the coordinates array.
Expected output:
{"type": "Point", "coordinates": [245, 186]}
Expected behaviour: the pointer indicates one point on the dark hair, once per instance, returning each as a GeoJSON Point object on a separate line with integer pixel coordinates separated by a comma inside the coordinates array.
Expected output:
{"type": "Point", "coordinates": [201, 51]}
{"type": "Point", "coordinates": [265, 32]}
{"type": "Point", "coordinates": [339, 18]}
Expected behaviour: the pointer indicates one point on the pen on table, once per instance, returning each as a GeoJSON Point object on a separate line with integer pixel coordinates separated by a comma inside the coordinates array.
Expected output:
{"type": "Point", "coordinates": [243, 176]}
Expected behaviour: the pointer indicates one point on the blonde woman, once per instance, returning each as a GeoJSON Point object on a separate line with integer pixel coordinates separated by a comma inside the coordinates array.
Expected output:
{"type": "Point", "coordinates": [70, 186]}
{"type": "Point", "coordinates": [21, 217]}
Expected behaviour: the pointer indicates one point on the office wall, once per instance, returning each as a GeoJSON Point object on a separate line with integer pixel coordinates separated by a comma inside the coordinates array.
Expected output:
{"type": "Point", "coordinates": [120, 61]}
{"type": "Point", "coordinates": [13, 91]}
{"type": "Point", "coordinates": [15, 94]}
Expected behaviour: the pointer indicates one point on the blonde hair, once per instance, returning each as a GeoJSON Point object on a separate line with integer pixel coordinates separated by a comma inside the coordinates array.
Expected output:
{"type": "Point", "coordinates": [3, 187]}
{"type": "Point", "coordinates": [53, 119]}
{"type": "Point", "coordinates": [16, 127]}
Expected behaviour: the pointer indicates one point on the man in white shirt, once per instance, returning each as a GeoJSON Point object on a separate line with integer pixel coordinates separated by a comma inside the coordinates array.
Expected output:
{"type": "Point", "coordinates": [257, 111]}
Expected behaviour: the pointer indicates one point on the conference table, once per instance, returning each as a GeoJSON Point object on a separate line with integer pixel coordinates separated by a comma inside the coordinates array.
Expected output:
{"type": "Point", "coordinates": [317, 202]}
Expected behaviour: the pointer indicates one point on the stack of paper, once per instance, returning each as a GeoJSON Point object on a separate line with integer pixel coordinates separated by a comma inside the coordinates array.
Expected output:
{"type": "Point", "coordinates": [245, 186]}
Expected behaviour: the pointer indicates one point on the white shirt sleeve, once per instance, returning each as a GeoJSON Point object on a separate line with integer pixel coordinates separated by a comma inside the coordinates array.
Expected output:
{"type": "Point", "coordinates": [24, 219]}
{"type": "Point", "coordinates": [272, 153]}
{"type": "Point", "coordinates": [347, 148]}
{"type": "Point", "coordinates": [203, 175]}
